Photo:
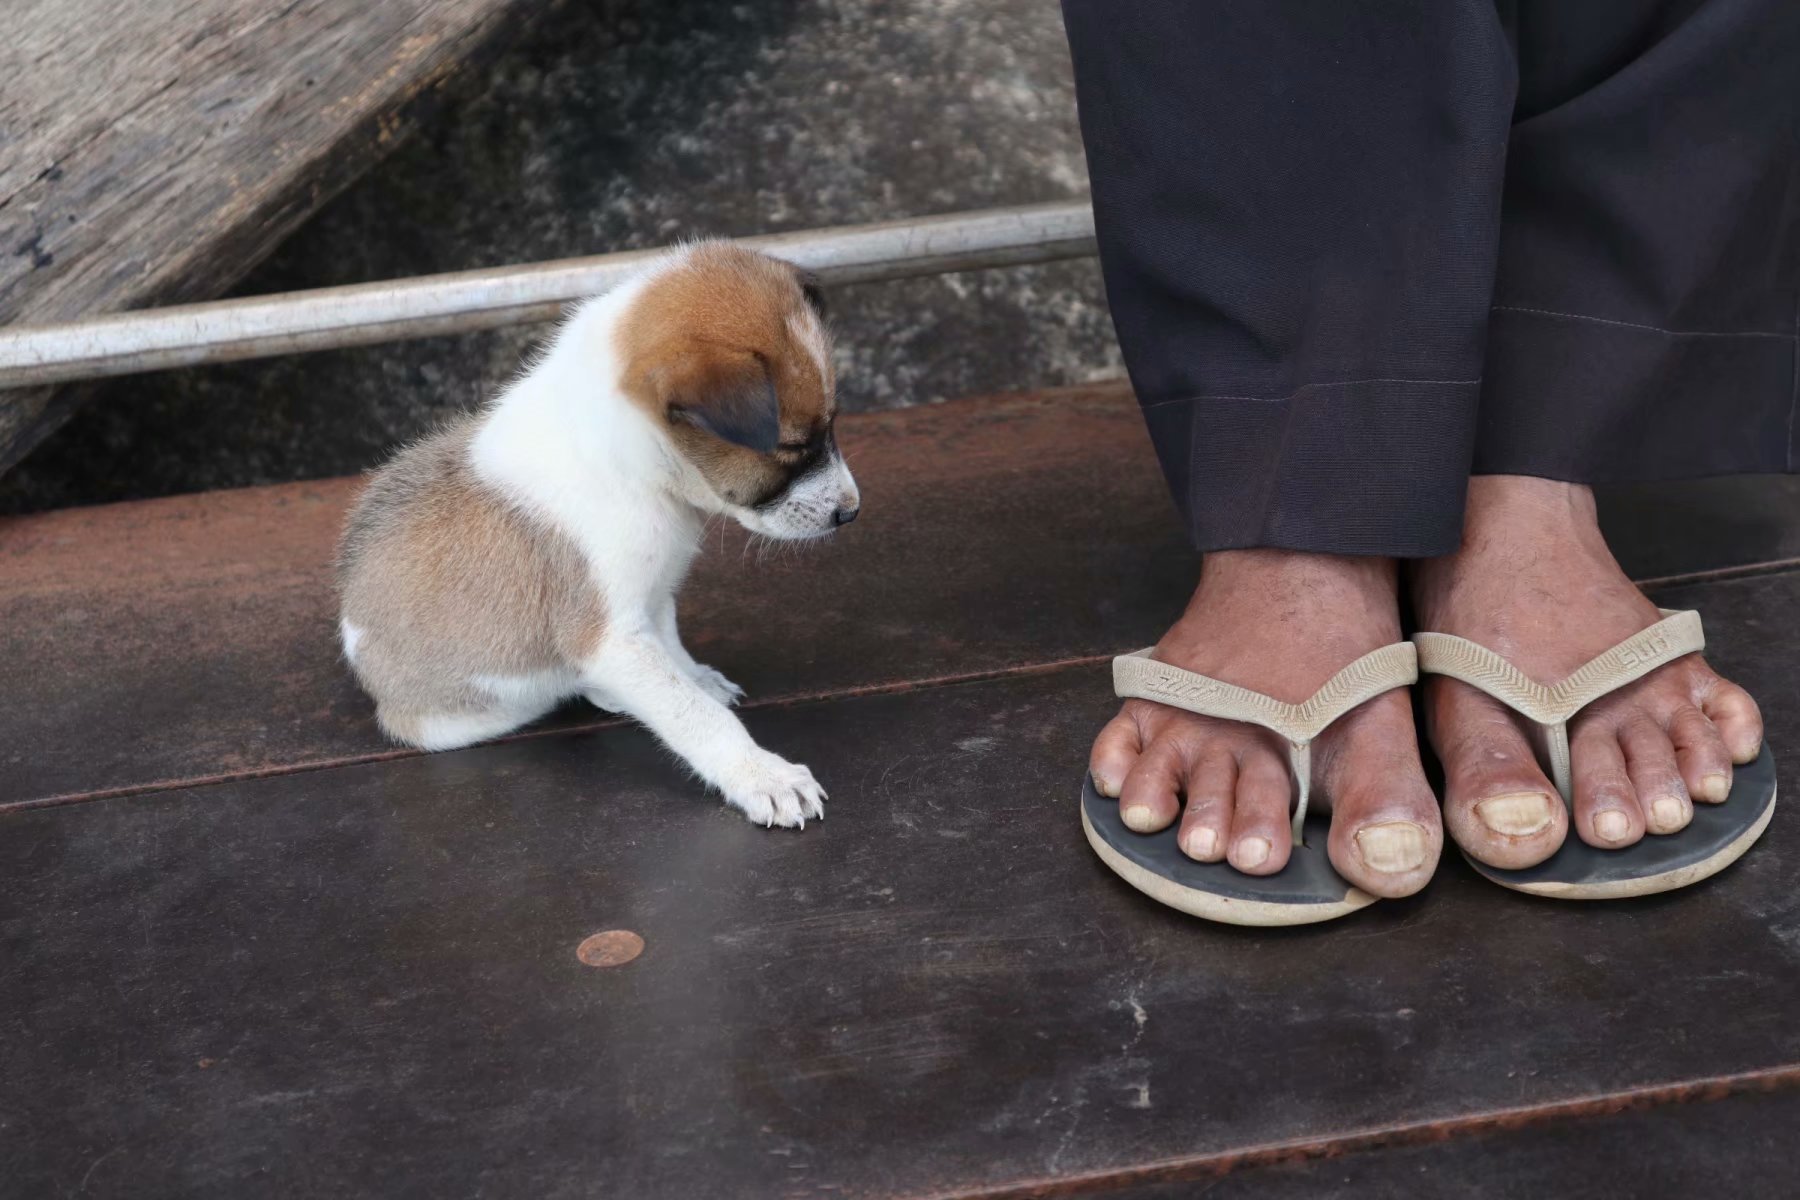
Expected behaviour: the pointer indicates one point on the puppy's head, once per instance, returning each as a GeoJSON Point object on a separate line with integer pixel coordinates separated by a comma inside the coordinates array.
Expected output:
{"type": "Point", "coordinates": [726, 349]}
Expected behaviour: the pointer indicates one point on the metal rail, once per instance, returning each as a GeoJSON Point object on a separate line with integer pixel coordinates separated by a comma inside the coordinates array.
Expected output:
{"type": "Point", "coordinates": [363, 314]}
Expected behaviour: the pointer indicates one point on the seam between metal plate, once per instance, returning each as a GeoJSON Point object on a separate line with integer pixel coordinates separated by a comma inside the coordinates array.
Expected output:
{"type": "Point", "coordinates": [1411, 1133]}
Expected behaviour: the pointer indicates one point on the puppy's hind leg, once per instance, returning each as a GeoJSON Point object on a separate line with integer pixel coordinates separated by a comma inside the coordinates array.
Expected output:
{"type": "Point", "coordinates": [453, 731]}
{"type": "Point", "coordinates": [455, 726]}
{"type": "Point", "coordinates": [446, 730]}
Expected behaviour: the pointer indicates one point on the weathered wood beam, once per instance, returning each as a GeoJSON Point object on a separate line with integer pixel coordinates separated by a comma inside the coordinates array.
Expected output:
{"type": "Point", "coordinates": [153, 152]}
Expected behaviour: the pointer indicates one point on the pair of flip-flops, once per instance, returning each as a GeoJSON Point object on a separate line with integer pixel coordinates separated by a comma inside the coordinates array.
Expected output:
{"type": "Point", "coordinates": [1309, 889]}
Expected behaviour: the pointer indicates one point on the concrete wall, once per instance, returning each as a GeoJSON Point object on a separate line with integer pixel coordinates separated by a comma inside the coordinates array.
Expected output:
{"type": "Point", "coordinates": [631, 123]}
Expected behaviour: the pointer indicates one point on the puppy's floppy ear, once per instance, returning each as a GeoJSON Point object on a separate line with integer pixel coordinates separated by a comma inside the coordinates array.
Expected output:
{"type": "Point", "coordinates": [728, 393]}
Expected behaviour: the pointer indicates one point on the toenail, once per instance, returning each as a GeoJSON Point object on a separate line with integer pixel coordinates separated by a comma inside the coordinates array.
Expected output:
{"type": "Point", "coordinates": [1715, 787]}
{"type": "Point", "coordinates": [1201, 842]}
{"type": "Point", "coordinates": [1105, 786]}
{"type": "Point", "coordinates": [1611, 825]}
{"type": "Point", "coordinates": [1395, 846]}
{"type": "Point", "coordinates": [1253, 852]}
{"type": "Point", "coordinates": [1139, 819]}
{"type": "Point", "coordinates": [1668, 812]}
{"type": "Point", "coordinates": [1516, 814]}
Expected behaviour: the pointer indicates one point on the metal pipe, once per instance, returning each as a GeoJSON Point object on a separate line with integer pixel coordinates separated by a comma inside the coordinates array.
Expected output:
{"type": "Point", "coordinates": [366, 313]}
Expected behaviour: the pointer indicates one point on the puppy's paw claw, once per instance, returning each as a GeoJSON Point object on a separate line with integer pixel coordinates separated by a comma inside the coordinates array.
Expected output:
{"type": "Point", "coordinates": [772, 791]}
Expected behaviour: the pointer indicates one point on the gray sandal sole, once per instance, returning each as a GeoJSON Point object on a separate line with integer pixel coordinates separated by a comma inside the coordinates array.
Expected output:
{"type": "Point", "coordinates": [1718, 835]}
{"type": "Point", "coordinates": [1308, 888]}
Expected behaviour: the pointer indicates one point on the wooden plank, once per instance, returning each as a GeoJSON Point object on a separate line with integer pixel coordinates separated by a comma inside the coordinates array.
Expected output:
{"type": "Point", "coordinates": [153, 152]}
{"type": "Point", "coordinates": [364, 980]}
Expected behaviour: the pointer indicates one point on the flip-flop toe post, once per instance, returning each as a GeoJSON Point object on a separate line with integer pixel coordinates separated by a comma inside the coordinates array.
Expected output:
{"type": "Point", "coordinates": [1308, 888]}
{"type": "Point", "coordinates": [1718, 835]}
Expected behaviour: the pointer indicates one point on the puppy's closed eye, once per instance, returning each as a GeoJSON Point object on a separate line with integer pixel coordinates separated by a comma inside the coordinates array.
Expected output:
{"type": "Point", "coordinates": [799, 454]}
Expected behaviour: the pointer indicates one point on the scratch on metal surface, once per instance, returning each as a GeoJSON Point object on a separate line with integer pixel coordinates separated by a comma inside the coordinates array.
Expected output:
{"type": "Point", "coordinates": [94, 1166]}
{"type": "Point", "coordinates": [1140, 1017]}
{"type": "Point", "coordinates": [1078, 1102]}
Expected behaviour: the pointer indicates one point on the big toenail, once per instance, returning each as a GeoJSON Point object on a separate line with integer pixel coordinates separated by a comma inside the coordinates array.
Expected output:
{"type": "Point", "coordinates": [1668, 812]}
{"type": "Point", "coordinates": [1201, 842]}
{"type": "Point", "coordinates": [1612, 825]}
{"type": "Point", "coordinates": [1105, 786]}
{"type": "Point", "coordinates": [1395, 846]}
{"type": "Point", "coordinates": [1715, 787]}
{"type": "Point", "coordinates": [1138, 819]}
{"type": "Point", "coordinates": [1516, 814]}
{"type": "Point", "coordinates": [1253, 852]}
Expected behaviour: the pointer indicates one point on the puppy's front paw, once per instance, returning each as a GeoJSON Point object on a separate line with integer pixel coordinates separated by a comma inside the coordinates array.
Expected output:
{"type": "Point", "coordinates": [716, 685]}
{"type": "Point", "coordinates": [773, 791]}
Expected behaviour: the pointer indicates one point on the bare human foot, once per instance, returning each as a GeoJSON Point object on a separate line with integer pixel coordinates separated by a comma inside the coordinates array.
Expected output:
{"type": "Point", "coordinates": [1535, 583]}
{"type": "Point", "coordinates": [1281, 623]}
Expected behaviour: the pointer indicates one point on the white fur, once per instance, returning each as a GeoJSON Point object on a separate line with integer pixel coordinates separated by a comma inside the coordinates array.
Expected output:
{"type": "Point", "coordinates": [451, 732]}
{"type": "Point", "coordinates": [352, 637]}
{"type": "Point", "coordinates": [566, 444]}
{"type": "Point", "coordinates": [810, 506]}
{"type": "Point", "coordinates": [809, 331]}
{"type": "Point", "coordinates": [542, 691]}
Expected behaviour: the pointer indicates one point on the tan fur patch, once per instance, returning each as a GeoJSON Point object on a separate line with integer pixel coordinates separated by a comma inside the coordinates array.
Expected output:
{"type": "Point", "coordinates": [724, 321]}
{"type": "Point", "coordinates": [449, 582]}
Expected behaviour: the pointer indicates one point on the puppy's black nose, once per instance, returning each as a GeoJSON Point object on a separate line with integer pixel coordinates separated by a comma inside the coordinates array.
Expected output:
{"type": "Point", "coordinates": [844, 516]}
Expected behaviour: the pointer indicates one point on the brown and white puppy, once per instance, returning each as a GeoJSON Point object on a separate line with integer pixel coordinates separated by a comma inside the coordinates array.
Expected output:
{"type": "Point", "coordinates": [532, 551]}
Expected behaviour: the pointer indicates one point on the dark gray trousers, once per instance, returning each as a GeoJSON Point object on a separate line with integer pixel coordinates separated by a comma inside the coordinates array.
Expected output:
{"type": "Point", "coordinates": [1356, 251]}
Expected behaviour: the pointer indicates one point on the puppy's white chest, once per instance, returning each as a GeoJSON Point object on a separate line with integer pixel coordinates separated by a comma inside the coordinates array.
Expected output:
{"type": "Point", "coordinates": [598, 490]}
{"type": "Point", "coordinates": [638, 559]}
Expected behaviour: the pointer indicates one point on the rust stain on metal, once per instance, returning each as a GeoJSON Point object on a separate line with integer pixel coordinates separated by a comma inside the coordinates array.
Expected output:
{"type": "Point", "coordinates": [610, 948]}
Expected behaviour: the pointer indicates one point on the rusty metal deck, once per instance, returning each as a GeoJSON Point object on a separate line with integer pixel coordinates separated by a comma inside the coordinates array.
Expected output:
{"type": "Point", "coordinates": [248, 948]}
{"type": "Point", "coordinates": [214, 612]}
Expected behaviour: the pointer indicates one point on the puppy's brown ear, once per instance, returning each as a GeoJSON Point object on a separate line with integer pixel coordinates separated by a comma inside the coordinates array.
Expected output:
{"type": "Point", "coordinates": [728, 394]}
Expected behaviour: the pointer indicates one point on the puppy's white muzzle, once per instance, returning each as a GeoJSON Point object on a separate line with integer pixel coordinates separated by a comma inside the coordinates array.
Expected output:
{"type": "Point", "coordinates": [817, 503]}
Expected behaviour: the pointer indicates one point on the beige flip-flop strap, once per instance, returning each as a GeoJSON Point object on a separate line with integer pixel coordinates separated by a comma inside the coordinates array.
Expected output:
{"type": "Point", "coordinates": [1139, 676]}
{"type": "Point", "coordinates": [1552, 706]}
